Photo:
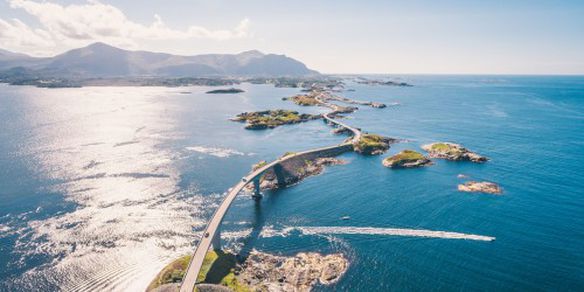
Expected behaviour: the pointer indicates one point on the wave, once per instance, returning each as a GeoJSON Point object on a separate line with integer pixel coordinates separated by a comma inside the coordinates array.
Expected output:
{"type": "Point", "coordinates": [392, 232]}
{"type": "Point", "coordinates": [216, 151]}
{"type": "Point", "coordinates": [320, 230]}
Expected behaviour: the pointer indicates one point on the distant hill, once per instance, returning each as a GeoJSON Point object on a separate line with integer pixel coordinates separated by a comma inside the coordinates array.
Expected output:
{"type": "Point", "coordinates": [102, 60]}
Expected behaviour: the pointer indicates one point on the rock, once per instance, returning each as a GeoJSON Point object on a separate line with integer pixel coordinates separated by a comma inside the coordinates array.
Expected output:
{"type": "Point", "coordinates": [272, 118]}
{"type": "Point", "coordinates": [378, 105]}
{"type": "Point", "coordinates": [372, 144]}
{"type": "Point", "coordinates": [451, 151]}
{"type": "Point", "coordinates": [406, 159]}
{"type": "Point", "coordinates": [298, 171]}
{"type": "Point", "coordinates": [341, 130]}
{"type": "Point", "coordinates": [204, 287]}
{"type": "Point", "coordinates": [481, 187]}
{"type": "Point", "coordinates": [266, 272]}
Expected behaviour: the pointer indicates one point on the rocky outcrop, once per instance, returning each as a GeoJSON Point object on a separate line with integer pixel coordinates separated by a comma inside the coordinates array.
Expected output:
{"type": "Point", "coordinates": [480, 187]}
{"type": "Point", "coordinates": [272, 118]}
{"type": "Point", "coordinates": [406, 159]}
{"type": "Point", "coordinates": [371, 144]}
{"type": "Point", "coordinates": [266, 272]}
{"type": "Point", "coordinates": [451, 151]}
{"type": "Point", "coordinates": [295, 171]}
{"type": "Point", "coordinates": [341, 130]}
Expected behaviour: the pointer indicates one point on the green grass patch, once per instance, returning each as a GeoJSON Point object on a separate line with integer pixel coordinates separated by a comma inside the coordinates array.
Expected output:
{"type": "Point", "coordinates": [305, 100]}
{"type": "Point", "coordinates": [369, 143]}
{"type": "Point", "coordinates": [231, 281]}
{"type": "Point", "coordinates": [406, 156]}
{"type": "Point", "coordinates": [442, 147]}
{"type": "Point", "coordinates": [172, 273]}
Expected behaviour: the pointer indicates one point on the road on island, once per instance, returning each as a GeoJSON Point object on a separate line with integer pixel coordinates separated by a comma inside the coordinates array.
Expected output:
{"type": "Point", "coordinates": [213, 227]}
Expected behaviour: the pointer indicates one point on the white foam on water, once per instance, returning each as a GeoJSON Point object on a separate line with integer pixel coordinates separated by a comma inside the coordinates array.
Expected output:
{"type": "Point", "coordinates": [392, 232]}
{"type": "Point", "coordinates": [216, 151]}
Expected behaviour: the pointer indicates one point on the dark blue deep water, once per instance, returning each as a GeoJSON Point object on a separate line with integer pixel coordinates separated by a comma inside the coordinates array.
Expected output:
{"type": "Point", "coordinates": [101, 187]}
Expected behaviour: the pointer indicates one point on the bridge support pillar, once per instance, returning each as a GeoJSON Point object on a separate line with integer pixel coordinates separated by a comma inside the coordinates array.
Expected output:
{"type": "Point", "coordinates": [278, 169]}
{"type": "Point", "coordinates": [216, 242]}
{"type": "Point", "coordinates": [256, 189]}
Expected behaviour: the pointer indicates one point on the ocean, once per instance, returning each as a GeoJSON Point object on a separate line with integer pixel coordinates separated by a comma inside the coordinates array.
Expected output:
{"type": "Point", "coordinates": [100, 187]}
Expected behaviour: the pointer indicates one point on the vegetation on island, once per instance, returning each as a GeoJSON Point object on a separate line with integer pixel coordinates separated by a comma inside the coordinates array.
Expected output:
{"type": "Point", "coordinates": [218, 268]}
{"type": "Point", "coordinates": [405, 159]}
{"type": "Point", "coordinates": [225, 91]}
{"type": "Point", "coordinates": [372, 144]}
{"type": "Point", "coordinates": [305, 100]}
{"type": "Point", "coordinates": [451, 151]}
{"type": "Point", "coordinates": [172, 273]}
{"type": "Point", "coordinates": [272, 118]}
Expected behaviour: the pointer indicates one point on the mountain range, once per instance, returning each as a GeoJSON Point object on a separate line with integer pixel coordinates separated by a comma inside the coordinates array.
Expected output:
{"type": "Point", "coordinates": [102, 60]}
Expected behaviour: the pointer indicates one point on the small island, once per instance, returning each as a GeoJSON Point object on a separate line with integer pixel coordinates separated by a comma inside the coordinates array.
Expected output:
{"type": "Point", "coordinates": [266, 272]}
{"type": "Point", "coordinates": [372, 144]}
{"type": "Point", "coordinates": [480, 187]}
{"type": "Point", "coordinates": [406, 159]}
{"type": "Point", "coordinates": [306, 100]}
{"type": "Point", "coordinates": [451, 151]}
{"type": "Point", "coordinates": [297, 171]}
{"type": "Point", "coordinates": [270, 119]}
{"type": "Point", "coordinates": [222, 271]}
{"type": "Point", "coordinates": [225, 91]}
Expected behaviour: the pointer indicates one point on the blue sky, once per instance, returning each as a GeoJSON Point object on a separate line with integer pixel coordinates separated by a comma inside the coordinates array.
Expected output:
{"type": "Point", "coordinates": [492, 37]}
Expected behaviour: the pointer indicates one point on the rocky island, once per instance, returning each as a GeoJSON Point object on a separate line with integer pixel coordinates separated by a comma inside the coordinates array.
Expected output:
{"type": "Point", "coordinates": [273, 118]}
{"type": "Point", "coordinates": [225, 91]}
{"type": "Point", "coordinates": [266, 272]}
{"type": "Point", "coordinates": [451, 151]}
{"type": "Point", "coordinates": [372, 144]}
{"type": "Point", "coordinates": [406, 159]}
{"type": "Point", "coordinates": [258, 272]}
{"type": "Point", "coordinates": [296, 171]}
{"type": "Point", "coordinates": [480, 187]}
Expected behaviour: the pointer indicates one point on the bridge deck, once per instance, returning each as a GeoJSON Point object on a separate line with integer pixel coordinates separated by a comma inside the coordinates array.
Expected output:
{"type": "Point", "coordinates": [212, 229]}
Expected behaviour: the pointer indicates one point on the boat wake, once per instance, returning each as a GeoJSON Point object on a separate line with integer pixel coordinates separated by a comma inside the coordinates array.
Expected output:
{"type": "Point", "coordinates": [331, 230]}
{"type": "Point", "coordinates": [392, 232]}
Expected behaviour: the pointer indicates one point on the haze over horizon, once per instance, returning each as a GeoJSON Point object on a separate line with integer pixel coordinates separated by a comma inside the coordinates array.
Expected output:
{"type": "Point", "coordinates": [451, 37]}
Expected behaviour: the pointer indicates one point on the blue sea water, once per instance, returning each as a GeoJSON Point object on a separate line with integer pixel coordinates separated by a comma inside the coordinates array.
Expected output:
{"type": "Point", "coordinates": [100, 187]}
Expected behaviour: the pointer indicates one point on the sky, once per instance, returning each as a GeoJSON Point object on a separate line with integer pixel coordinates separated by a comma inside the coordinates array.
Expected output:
{"type": "Point", "coordinates": [342, 36]}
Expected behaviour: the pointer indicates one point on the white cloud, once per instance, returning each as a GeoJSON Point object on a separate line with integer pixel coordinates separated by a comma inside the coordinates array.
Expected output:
{"type": "Point", "coordinates": [79, 24]}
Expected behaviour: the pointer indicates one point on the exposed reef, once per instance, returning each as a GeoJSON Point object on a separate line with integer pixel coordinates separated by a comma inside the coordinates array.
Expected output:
{"type": "Point", "coordinates": [406, 159]}
{"type": "Point", "coordinates": [266, 272]}
{"type": "Point", "coordinates": [451, 151]}
{"type": "Point", "coordinates": [480, 187]}
{"type": "Point", "coordinates": [372, 144]}
{"type": "Point", "coordinates": [272, 118]}
{"type": "Point", "coordinates": [225, 91]}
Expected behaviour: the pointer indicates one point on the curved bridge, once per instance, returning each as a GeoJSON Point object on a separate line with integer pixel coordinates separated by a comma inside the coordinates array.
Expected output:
{"type": "Point", "coordinates": [212, 233]}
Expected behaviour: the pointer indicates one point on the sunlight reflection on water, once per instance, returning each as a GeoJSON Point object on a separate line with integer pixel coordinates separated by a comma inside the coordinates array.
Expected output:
{"type": "Point", "coordinates": [100, 144]}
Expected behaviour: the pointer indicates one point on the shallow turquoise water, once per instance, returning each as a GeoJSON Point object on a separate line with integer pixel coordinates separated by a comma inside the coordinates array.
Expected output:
{"type": "Point", "coordinates": [100, 187]}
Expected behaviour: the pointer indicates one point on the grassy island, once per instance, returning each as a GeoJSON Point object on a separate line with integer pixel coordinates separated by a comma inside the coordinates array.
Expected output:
{"type": "Point", "coordinates": [372, 144]}
{"type": "Point", "coordinates": [273, 118]}
{"type": "Point", "coordinates": [305, 100]}
{"type": "Point", "coordinates": [218, 268]}
{"type": "Point", "coordinates": [452, 151]}
{"type": "Point", "coordinates": [405, 159]}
